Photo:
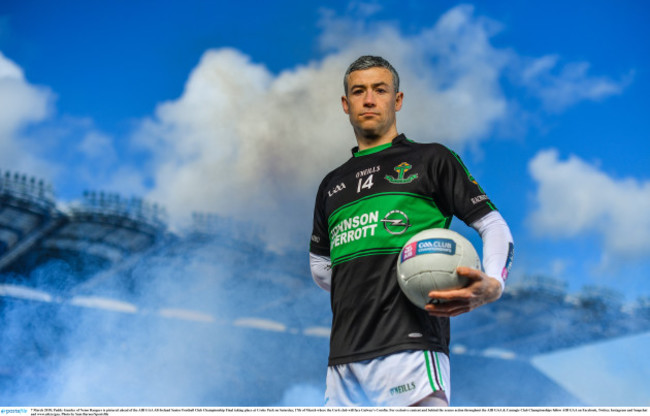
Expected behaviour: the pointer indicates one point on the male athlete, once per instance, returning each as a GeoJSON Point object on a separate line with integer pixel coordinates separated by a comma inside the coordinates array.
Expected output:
{"type": "Point", "coordinates": [385, 351]}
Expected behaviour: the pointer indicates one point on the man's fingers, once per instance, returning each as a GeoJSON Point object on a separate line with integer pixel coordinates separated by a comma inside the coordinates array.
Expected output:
{"type": "Point", "coordinates": [472, 274]}
{"type": "Point", "coordinates": [448, 294]}
{"type": "Point", "coordinates": [447, 309]}
{"type": "Point", "coordinates": [479, 290]}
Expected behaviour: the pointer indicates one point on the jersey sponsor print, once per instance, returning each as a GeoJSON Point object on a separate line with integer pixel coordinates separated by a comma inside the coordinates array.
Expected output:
{"type": "Point", "coordinates": [379, 224]}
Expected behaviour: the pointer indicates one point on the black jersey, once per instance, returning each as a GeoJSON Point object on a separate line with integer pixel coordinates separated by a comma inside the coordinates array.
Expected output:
{"type": "Point", "coordinates": [365, 212]}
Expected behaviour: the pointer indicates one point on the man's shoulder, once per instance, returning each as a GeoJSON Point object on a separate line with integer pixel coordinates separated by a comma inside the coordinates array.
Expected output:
{"type": "Point", "coordinates": [423, 144]}
{"type": "Point", "coordinates": [430, 149]}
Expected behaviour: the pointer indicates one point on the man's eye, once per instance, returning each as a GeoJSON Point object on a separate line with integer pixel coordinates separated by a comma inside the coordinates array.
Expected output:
{"type": "Point", "coordinates": [357, 92]}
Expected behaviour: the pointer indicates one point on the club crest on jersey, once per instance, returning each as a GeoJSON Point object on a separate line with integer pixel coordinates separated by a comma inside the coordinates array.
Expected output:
{"type": "Point", "coordinates": [401, 178]}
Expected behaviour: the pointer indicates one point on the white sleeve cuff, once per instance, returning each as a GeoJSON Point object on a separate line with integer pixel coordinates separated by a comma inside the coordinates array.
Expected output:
{"type": "Point", "coordinates": [321, 271]}
{"type": "Point", "coordinates": [498, 246]}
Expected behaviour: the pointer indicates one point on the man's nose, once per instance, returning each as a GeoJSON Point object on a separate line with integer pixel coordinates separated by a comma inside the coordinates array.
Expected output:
{"type": "Point", "coordinates": [369, 99]}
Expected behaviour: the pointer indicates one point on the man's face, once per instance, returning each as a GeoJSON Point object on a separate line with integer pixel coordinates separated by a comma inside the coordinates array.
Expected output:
{"type": "Point", "coordinates": [371, 101]}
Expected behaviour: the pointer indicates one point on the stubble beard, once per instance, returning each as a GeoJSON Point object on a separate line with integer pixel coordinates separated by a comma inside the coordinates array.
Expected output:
{"type": "Point", "coordinates": [372, 133]}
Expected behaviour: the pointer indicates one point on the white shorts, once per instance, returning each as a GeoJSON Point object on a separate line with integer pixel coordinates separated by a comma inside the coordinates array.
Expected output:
{"type": "Point", "coordinates": [400, 379]}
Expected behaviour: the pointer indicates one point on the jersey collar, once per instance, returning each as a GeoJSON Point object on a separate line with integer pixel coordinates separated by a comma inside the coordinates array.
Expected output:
{"type": "Point", "coordinates": [377, 149]}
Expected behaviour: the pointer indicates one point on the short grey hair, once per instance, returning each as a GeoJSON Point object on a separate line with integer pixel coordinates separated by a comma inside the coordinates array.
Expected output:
{"type": "Point", "coordinates": [367, 62]}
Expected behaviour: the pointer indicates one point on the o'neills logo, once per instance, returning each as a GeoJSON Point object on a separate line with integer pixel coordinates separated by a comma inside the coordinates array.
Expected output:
{"type": "Point", "coordinates": [402, 389]}
{"type": "Point", "coordinates": [355, 228]}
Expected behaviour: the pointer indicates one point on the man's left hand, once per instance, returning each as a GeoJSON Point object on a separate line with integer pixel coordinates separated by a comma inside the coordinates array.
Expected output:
{"type": "Point", "coordinates": [480, 289]}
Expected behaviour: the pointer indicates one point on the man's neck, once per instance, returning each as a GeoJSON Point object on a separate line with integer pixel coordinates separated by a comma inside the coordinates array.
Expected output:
{"type": "Point", "coordinates": [367, 142]}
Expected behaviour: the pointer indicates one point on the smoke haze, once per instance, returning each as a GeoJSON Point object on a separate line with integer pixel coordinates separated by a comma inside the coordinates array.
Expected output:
{"type": "Point", "coordinates": [198, 323]}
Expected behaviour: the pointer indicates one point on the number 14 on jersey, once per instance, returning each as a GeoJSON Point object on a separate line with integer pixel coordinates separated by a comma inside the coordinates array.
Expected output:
{"type": "Point", "coordinates": [365, 183]}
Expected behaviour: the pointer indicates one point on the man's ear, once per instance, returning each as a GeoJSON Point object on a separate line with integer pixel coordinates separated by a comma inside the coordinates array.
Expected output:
{"type": "Point", "coordinates": [345, 104]}
{"type": "Point", "coordinates": [399, 99]}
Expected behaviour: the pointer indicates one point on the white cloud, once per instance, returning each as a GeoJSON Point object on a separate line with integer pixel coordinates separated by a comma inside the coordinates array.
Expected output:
{"type": "Point", "coordinates": [561, 86]}
{"type": "Point", "coordinates": [101, 167]}
{"type": "Point", "coordinates": [20, 104]}
{"type": "Point", "coordinates": [57, 147]}
{"type": "Point", "coordinates": [575, 198]}
{"type": "Point", "coordinates": [98, 146]}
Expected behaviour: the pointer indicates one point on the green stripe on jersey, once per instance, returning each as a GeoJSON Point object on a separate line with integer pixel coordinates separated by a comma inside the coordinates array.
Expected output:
{"type": "Point", "coordinates": [372, 150]}
{"type": "Point", "coordinates": [380, 224]}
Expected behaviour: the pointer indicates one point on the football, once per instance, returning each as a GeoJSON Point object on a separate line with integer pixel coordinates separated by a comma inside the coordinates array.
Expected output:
{"type": "Point", "coordinates": [428, 261]}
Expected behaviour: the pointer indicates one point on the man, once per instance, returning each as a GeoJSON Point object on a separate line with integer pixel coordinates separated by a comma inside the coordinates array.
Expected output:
{"type": "Point", "coordinates": [383, 349]}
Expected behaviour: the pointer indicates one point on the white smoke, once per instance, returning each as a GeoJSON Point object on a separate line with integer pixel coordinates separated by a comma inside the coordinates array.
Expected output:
{"type": "Point", "coordinates": [244, 142]}
{"type": "Point", "coordinates": [198, 324]}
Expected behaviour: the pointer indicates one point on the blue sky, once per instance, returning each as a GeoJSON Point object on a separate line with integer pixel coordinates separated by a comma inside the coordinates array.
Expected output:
{"type": "Point", "coordinates": [234, 108]}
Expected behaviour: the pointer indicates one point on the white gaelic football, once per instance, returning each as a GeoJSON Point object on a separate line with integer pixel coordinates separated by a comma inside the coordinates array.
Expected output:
{"type": "Point", "coordinates": [428, 261]}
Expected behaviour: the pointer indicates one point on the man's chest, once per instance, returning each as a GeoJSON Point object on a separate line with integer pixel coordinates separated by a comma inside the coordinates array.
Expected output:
{"type": "Point", "coordinates": [405, 174]}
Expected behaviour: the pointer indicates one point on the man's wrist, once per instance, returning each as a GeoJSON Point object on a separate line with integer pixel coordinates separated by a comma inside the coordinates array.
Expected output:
{"type": "Point", "coordinates": [497, 286]}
